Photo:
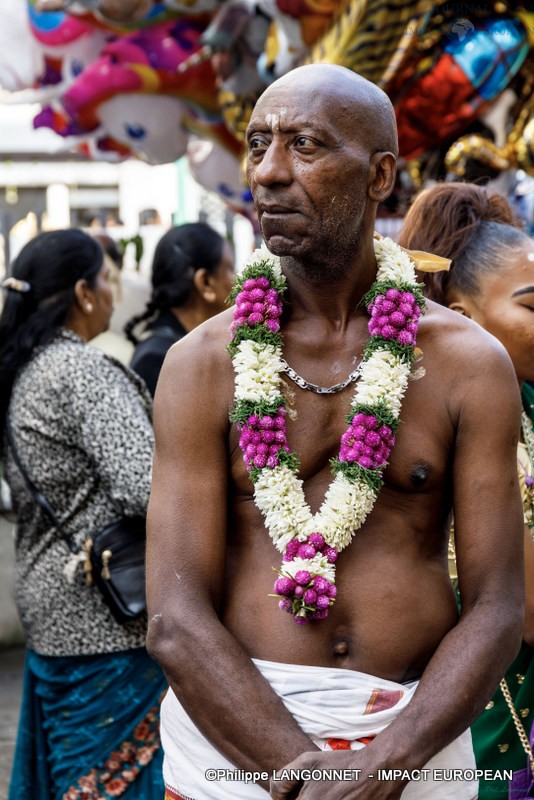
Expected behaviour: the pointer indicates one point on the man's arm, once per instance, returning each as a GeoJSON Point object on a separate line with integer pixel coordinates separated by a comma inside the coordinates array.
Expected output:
{"type": "Point", "coordinates": [467, 666]}
{"type": "Point", "coordinates": [210, 673]}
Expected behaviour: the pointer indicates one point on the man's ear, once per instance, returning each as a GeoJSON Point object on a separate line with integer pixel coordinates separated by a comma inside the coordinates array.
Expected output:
{"type": "Point", "coordinates": [203, 285]}
{"type": "Point", "coordinates": [382, 173]}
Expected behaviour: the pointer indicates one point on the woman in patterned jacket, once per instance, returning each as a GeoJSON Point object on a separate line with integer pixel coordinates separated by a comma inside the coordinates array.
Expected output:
{"type": "Point", "coordinates": [81, 425]}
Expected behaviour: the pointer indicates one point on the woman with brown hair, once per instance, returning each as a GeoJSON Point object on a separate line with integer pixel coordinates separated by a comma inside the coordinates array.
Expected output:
{"type": "Point", "coordinates": [491, 281]}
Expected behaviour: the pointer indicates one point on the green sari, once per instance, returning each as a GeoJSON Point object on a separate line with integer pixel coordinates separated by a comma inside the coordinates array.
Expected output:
{"type": "Point", "coordinates": [495, 734]}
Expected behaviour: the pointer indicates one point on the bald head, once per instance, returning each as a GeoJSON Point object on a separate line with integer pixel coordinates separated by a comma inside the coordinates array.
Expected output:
{"type": "Point", "coordinates": [348, 96]}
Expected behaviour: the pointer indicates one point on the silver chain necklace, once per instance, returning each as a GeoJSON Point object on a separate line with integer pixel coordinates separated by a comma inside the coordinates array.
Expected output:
{"type": "Point", "coordinates": [312, 387]}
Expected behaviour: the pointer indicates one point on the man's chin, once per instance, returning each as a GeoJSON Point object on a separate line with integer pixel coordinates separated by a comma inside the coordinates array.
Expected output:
{"type": "Point", "coordinates": [281, 245]}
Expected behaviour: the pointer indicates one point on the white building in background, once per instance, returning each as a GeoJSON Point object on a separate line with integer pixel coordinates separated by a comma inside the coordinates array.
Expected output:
{"type": "Point", "coordinates": [42, 187]}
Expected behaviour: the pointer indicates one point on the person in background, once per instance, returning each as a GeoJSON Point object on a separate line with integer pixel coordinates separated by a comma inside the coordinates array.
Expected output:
{"type": "Point", "coordinates": [112, 342]}
{"type": "Point", "coordinates": [82, 429]}
{"type": "Point", "coordinates": [491, 281]}
{"type": "Point", "coordinates": [192, 275]}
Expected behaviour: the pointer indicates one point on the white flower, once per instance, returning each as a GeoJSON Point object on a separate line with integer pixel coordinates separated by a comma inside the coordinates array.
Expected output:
{"type": "Point", "coordinates": [344, 510]}
{"type": "Point", "coordinates": [384, 378]}
{"type": "Point", "coordinates": [318, 565]}
{"type": "Point", "coordinates": [257, 370]}
{"type": "Point", "coordinates": [279, 496]}
{"type": "Point", "coordinates": [262, 254]}
{"type": "Point", "coordinates": [393, 263]}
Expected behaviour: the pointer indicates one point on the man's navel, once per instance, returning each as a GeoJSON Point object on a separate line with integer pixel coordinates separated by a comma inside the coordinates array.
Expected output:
{"type": "Point", "coordinates": [342, 648]}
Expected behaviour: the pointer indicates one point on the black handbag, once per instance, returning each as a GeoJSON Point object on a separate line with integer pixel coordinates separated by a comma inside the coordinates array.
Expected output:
{"type": "Point", "coordinates": [117, 566]}
{"type": "Point", "coordinates": [114, 556]}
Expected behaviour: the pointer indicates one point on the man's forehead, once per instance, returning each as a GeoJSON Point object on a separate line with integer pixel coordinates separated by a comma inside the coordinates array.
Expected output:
{"type": "Point", "coordinates": [277, 114]}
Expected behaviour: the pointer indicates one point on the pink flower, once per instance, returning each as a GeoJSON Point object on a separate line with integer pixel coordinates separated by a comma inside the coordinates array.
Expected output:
{"type": "Point", "coordinates": [331, 554]}
{"type": "Point", "coordinates": [303, 577]}
{"type": "Point", "coordinates": [405, 337]}
{"type": "Point", "coordinates": [397, 319]}
{"type": "Point", "coordinates": [310, 596]}
{"type": "Point", "coordinates": [271, 297]}
{"type": "Point", "coordinates": [292, 550]}
{"type": "Point", "coordinates": [388, 331]}
{"type": "Point", "coordinates": [244, 309]}
{"type": "Point", "coordinates": [284, 586]}
{"type": "Point", "coordinates": [323, 601]}
{"type": "Point", "coordinates": [316, 540]}
{"type": "Point", "coordinates": [273, 311]}
{"type": "Point", "coordinates": [320, 584]}
{"type": "Point", "coordinates": [257, 295]}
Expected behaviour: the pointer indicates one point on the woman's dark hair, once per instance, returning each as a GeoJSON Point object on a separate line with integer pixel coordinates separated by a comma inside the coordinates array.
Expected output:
{"type": "Point", "coordinates": [49, 267]}
{"type": "Point", "coordinates": [466, 223]}
{"type": "Point", "coordinates": [178, 255]}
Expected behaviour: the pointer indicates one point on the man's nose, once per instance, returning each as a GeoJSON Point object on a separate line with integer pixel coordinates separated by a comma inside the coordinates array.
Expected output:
{"type": "Point", "coordinates": [274, 167]}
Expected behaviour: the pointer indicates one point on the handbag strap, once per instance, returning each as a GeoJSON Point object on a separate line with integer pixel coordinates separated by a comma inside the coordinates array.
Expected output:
{"type": "Point", "coordinates": [36, 492]}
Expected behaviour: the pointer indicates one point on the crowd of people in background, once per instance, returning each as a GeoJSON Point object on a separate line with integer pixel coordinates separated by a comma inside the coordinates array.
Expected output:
{"type": "Point", "coordinates": [77, 419]}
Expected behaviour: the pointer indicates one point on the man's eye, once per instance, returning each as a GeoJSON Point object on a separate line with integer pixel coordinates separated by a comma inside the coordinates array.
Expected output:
{"type": "Point", "coordinates": [255, 143]}
{"type": "Point", "coordinates": [303, 141]}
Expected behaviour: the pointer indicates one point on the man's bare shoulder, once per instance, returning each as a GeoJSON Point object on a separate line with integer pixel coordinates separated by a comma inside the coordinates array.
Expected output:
{"type": "Point", "coordinates": [451, 334]}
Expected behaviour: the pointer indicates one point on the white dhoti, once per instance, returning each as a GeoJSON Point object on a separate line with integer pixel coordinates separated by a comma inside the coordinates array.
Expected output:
{"type": "Point", "coordinates": [338, 709]}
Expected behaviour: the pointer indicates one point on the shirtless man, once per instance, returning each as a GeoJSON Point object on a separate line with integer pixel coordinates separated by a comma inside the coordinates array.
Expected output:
{"type": "Point", "coordinates": [252, 691]}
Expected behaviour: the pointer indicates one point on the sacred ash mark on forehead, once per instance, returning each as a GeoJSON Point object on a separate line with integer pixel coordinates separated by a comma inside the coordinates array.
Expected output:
{"type": "Point", "coordinates": [273, 120]}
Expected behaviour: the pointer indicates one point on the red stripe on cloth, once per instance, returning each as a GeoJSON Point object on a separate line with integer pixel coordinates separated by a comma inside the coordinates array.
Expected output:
{"type": "Point", "coordinates": [173, 794]}
{"type": "Point", "coordinates": [339, 744]}
{"type": "Point", "coordinates": [366, 739]}
{"type": "Point", "coordinates": [382, 699]}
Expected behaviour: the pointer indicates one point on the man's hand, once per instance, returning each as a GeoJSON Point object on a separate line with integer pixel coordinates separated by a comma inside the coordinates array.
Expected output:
{"type": "Point", "coordinates": [358, 780]}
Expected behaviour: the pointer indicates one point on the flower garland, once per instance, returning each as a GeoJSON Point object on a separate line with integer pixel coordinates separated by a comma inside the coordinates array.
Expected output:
{"type": "Point", "coordinates": [310, 543]}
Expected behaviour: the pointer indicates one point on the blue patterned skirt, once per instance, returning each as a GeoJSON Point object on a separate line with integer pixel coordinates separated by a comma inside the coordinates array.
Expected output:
{"type": "Point", "coordinates": [89, 728]}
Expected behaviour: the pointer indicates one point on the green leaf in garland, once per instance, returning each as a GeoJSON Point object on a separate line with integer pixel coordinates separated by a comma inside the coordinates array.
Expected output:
{"type": "Point", "coordinates": [354, 472]}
